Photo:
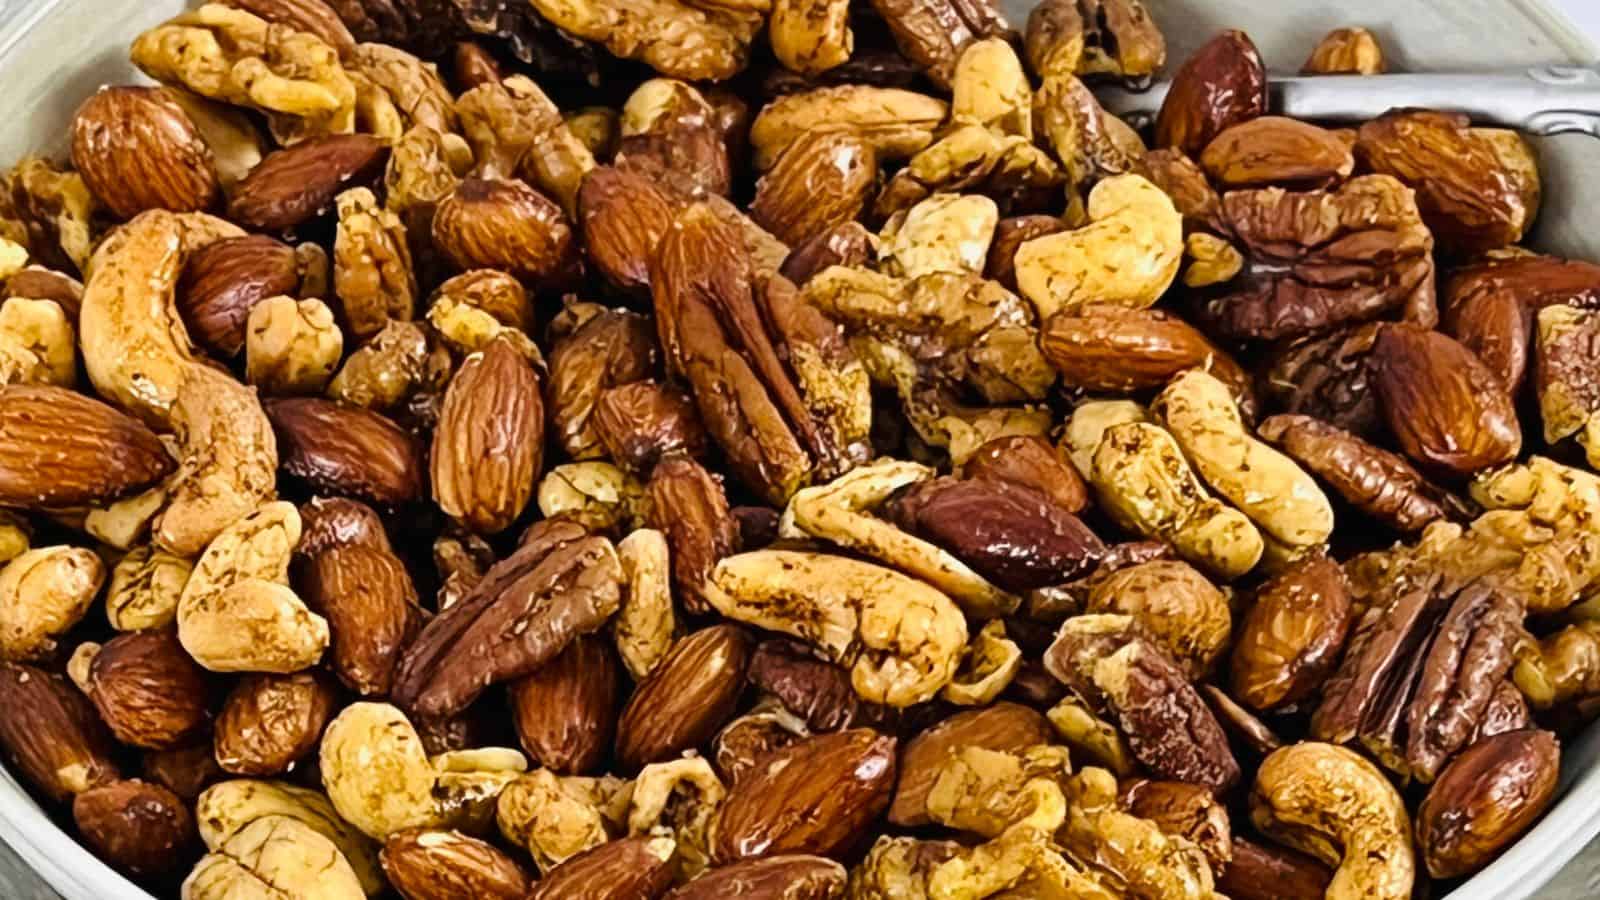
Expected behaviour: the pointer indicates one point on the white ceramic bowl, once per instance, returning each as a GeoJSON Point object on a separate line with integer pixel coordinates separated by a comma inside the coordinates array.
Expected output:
{"type": "Point", "coordinates": [54, 53]}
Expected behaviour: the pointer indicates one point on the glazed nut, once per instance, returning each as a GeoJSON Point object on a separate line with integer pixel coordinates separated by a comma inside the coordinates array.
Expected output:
{"type": "Point", "coordinates": [292, 347]}
{"type": "Point", "coordinates": [148, 690]}
{"type": "Point", "coordinates": [821, 180]}
{"type": "Point", "coordinates": [270, 722]}
{"type": "Point", "coordinates": [140, 828]}
{"type": "Point", "coordinates": [1485, 799]}
{"type": "Point", "coordinates": [1292, 636]}
{"type": "Point", "coordinates": [811, 36]}
{"type": "Point", "coordinates": [1003, 727]}
{"type": "Point", "coordinates": [295, 185]}
{"type": "Point", "coordinates": [224, 280]}
{"type": "Point", "coordinates": [488, 445]}
{"type": "Point", "coordinates": [372, 266]}
{"type": "Point", "coordinates": [346, 450]}
{"type": "Point", "coordinates": [1223, 84]}
{"type": "Point", "coordinates": [94, 454]}
{"type": "Point", "coordinates": [43, 594]}
{"type": "Point", "coordinates": [897, 123]}
{"type": "Point", "coordinates": [565, 713]}
{"type": "Point", "coordinates": [53, 738]}
{"type": "Point", "coordinates": [686, 698]}
{"type": "Point", "coordinates": [430, 864]}
{"type": "Point", "coordinates": [137, 149]}
{"type": "Point", "coordinates": [505, 225]}
{"type": "Point", "coordinates": [1346, 51]}
{"type": "Point", "coordinates": [596, 494]}
{"type": "Point", "coordinates": [1448, 411]}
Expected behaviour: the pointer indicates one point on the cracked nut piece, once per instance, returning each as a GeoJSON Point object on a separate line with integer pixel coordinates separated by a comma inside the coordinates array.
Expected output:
{"type": "Point", "coordinates": [1004, 727]}
{"type": "Point", "coordinates": [237, 612]}
{"type": "Point", "coordinates": [37, 343]}
{"type": "Point", "coordinates": [811, 36]}
{"type": "Point", "coordinates": [944, 233]}
{"type": "Point", "coordinates": [224, 809]}
{"type": "Point", "coordinates": [51, 735]}
{"type": "Point", "coordinates": [397, 364]}
{"type": "Point", "coordinates": [895, 122]}
{"type": "Point", "coordinates": [140, 828]}
{"type": "Point", "coordinates": [137, 149]}
{"type": "Point", "coordinates": [1094, 37]}
{"type": "Point", "coordinates": [372, 270]}
{"type": "Point", "coordinates": [144, 589]}
{"type": "Point", "coordinates": [292, 347]}
{"type": "Point", "coordinates": [436, 864]}
{"type": "Point", "coordinates": [597, 495]}
{"type": "Point", "coordinates": [1485, 799]}
{"type": "Point", "coordinates": [1565, 373]}
{"type": "Point", "coordinates": [148, 690]}
{"type": "Point", "coordinates": [488, 446]}
{"type": "Point", "coordinates": [1346, 51]}
{"type": "Point", "coordinates": [686, 698]}
{"type": "Point", "coordinates": [1223, 84]}
{"type": "Point", "coordinates": [274, 855]}
{"type": "Point", "coordinates": [43, 594]}
{"type": "Point", "coordinates": [92, 453]}
{"type": "Point", "coordinates": [1329, 802]}
{"type": "Point", "coordinates": [679, 39]}
{"type": "Point", "coordinates": [1447, 410]}
{"type": "Point", "coordinates": [556, 818]}
{"type": "Point", "coordinates": [271, 722]}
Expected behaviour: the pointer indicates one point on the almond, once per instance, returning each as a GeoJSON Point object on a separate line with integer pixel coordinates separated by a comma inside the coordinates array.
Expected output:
{"type": "Point", "coordinates": [643, 422]}
{"type": "Point", "coordinates": [822, 180]}
{"type": "Point", "coordinates": [425, 864]}
{"type": "Point", "coordinates": [1223, 84]}
{"type": "Point", "coordinates": [1273, 150]}
{"type": "Point", "coordinates": [137, 149]}
{"type": "Point", "coordinates": [141, 828]}
{"type": "Point", "coordinates": [565, 712]}
{"type": "Point", "coordinates": [51, 734]}
{"type": "Point", "coordinates": [1447, 410]}
{"type": "Point", "coordinates": [369, 601]}
{"type": "Point", "coordinates": [636, 868]}
{"type": "Point", "coordinates": [688, 504]}
{"type": "Point", "coordinates": [1003, 726]}
{"type": "Point", "coordinates": [339, 449]}
{"type": "Point", "coordinates": [506, 225]}
{"type": "Point", "coordinates": [148, 689]}
{"type": "Point", "coordinates": [684, 700]}
{"type": "Point", "coordinates": [225, 279]}
{"type": "Point", "coordinates": [292, 186]}
{"type": "Point", "coordinates": [271, 722]}
{"type": "Point", "coordinates": [774, 878]}
{"type": "Point", "coordinates": [59, 448]}
{"type": "Point", "coordinates": [328, 522]}
{"type": "Point", "coordinates": [624, 217]}
{"type": "Point", "coordinates": [186, 771]}
{"type": "Point", "coordinates": [817, 796]}
{"type": "Point", "coordinates": [488, 447]}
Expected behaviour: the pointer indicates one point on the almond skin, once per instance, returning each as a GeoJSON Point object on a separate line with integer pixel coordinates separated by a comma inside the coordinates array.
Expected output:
{"type": "Point", "coordinates": [59, 448]}
{"type": "Point", "coordinates": [774, 878]}
{"type": "Point", "coordinates": [488, 447]}
{"type": "Point", "coordinates": [1447, 410]}
{"type": "Point", "coordinates": [149, 690]}
{"type": "Point", "coordinates": [818, 796]}
{"type": "Point", "coordinates": [51, 735]}
{"type": "Point", "coordinates": [225, 279]}
{"type": "Point", "coordinates": [424, 864]}
{"type": "Point", "coordinates": [822, 180]}
{"type": "Point", "coordinates": [138, 827]}
{"type": "Point", "coordinates": [1003, 726]}
{"type": "Point", "coordinates": [565, 712]}
{"type": "Point", "coordinates": [337, 449]}
{"type": "Point", "coordinates": [506, 225]}
{"type": "Point", "coordinates": [690, 694]}
{"type": "Point", "coordinates": [624, 217]}
{"type": "Point", "coordinates": [137, 149]}
{"type": "Point", "coordinates": [369, 601]}
{"type": "Point", "coordinates": [329, 522]}
{"type": "Point", "coordinates": [292, 186]}
{"type": "Point", "coordinates": [636, 868]}
{"type": "Point", "coordinates": [270, 722]}
{"type": "Point", "coordinates": [1223, 84]}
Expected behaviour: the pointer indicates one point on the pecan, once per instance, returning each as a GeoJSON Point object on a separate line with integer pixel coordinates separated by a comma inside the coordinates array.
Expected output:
{"type": "Point", "coordinates": [1330, 379]}
{"type": "Point", "coordinates": [934, 32]}
{"type": "Point", "coordinates": [1094, 37]}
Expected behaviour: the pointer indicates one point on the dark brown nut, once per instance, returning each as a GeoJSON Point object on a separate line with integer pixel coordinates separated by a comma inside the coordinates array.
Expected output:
{"type": "Point", "coordinates": [1290, 640]}
{"type": "Point", "coordinates": [506, 225]}
{"type": "Point", "coordinates": [1273, 150]}
{"type": "Point", "coordinates": [688, 505]}
{"type": "Point", "coordinates": [488, 448]}
{"type": "Point", "coordinates": [791, 877]}
{"type": "Point", "coordinates": [565, 712]}
{"type": "Point", "coordinates": [1010, 234]}
{"type": "Point", "coordinates": [1507, 711]}
{"type": "Point", "coordinates": [560, 584]}
{"type": "Point", "coordinates": [641, 423]}
{"type": "Point", "coordinates": [1006, 727]}
{"type": "Point", "coordinates": [186, 771]}
{"type": "Point", "coordinates": [1473, 199]}
{"type": "Point", "coordinates": [850, 244]}
{"type": "Point", "coordinates": [611, 349]}
{"type": "Point", "coordinates": [689, 161]}
{"type": "Point", "coordinates": [370, 603]}
{"type": "Point", "coordinates": [758, 526]}
{"type": "Point", "coordinates": [1110, 348]}
{"type": "Point", "coordinates": [635, 868]}
{"type": "Point", "coordinates": [271, 722]}
{"type": "Point", "coordinates": [814, 689]}
{"type": "Point", "coordinates": [1031, 462]}
{"type": "Point", "coordinates": [329, 522]}
{"type": "Point", "coordinates": [1346, 51]}
{"type": "Point", "coordinates": [225, 279]}
{"type": "Point", "coordinates": [39, 283]}
{"type": "Point", "coordinates": [1185, 810]}
{"type": "Point", "coordinates": [822, 181]}
{"type": "Point", "coordinates": [1379, 483]}
{"type": "Point", "coordinates": [292, 186]}
{"type": "Point", "coordinates": [137, 149]}
{"type": "Point", "coordinates": [1486, 799]}
{"type": "Point", "coordinates": [471, 66]}
{"type": "Point", "coordinates": [690, 694]}
{"type": "Point", "coordinates": [1008, 533]}
{"type": "Point", "coordinates": [140, 828]}
{"type": "Point", "coordinates": [1185, 182]}
{"type": "Point", "coordinates": [60, 448]}
{"type": "Point", "coordinates": [818, 796]}
{"type": "Point", "coordinates": [1094, 37]}
{"type": "Point", "coordinates": [1490, 306]}
{"type": "Point", "coordinates": [440, 865]}
{"type": "Point", "coordinates": [337, 449]}
{"type": "Point", "coordinates": [148, 690]}
{"type": "Point", "coordinates": [1223, 84]}
{"type": "Point", "coordinates": [1321, 260]}
{"type": "Point", "coordinates": [1473, 650]}
{"type": "Point", "coordinates": [1260, 872]}
{"type": "Point", "coordinates": [883, 67]}
{"type": "Point", "coordinates": [932, 33]}
{"type": "Point", "coordinates": [1240, 723]}
{"type": "Point", "coordinates": [1447, 410]}
{"type": "Point", "coordinates": [51, 735]}
{"type": "Point", "coordinates": [1567, 376]}
{"type": "Point", "coordinates": [624, 217]}
{"type": "Point", "coordinates": [1330, 379]}
{"type": "Point", "coordinates": [313, 17]}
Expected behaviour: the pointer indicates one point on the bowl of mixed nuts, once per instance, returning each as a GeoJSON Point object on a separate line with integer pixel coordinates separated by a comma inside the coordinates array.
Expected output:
{"type": "Point", "coordinates": [807, 449]}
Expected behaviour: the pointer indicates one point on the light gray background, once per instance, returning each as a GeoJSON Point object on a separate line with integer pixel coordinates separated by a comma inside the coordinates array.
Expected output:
{"type": "Point", "coordinates": [1584, 13]}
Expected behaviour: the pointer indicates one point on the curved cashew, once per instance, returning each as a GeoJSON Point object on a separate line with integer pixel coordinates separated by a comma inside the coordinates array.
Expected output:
{"type": "Point", "coordinates": [139, 355]}
{"type": "Point", "coordinates": [1331, 803]}
{"type": "Point", "coordinates": [1090, 422]}
{"type": "Point", "coordinates": [224, 810]}
{"type": "Point", "coordinates": [645, 624]}
{"type": "Point", "coordinates": [901, 638]}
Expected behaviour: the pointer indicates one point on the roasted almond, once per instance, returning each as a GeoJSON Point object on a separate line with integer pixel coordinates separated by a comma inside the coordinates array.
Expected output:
{"type": "Point", "coordinates": [1030, 461]}
{"type": "Point", "coordinates": [506, 225]}
{"type": "Point", "coordinates": [775, 878]}
{"type": "Point", "coordinates": [60, 448]}
{"type": "Point", "coordinates": [635, 868]}
{"type": "Point", "coordinates": [1223, 84]}
{"type": "Point", "coordinates": [328, 522]}
{"type": "Point", "coordinates": [141, 828]}
{"type": "Point", "coordinates": [688, 504]}
{"type": "Point", "coordinates": [425, 864]}
{"type": "Point", "coordinates": [51, 734]}
{"type": "Point", "coordinates": [338, 449]}
{"type": "Point", "coordinates": [148, 689]}
{"type": "Point", "coordinates": [367, 597]}
{"type": "Point", "coordinates": [488, 447]}
{"type": "Point", "coordinates": [1485, 799]}
{"type": "Point", "coordinates": [225, 279]}
{"type": "Point", "coordinates": [566, 711]}
{"type": "Point", "coordinates": [1003, 726]}
{"type": "Point", "coordinates": [185, 771]}
{"type": "Point", "coordinates": [271, 722]}
{"type": "Point", "coordinates": [292, 186]}
{"type": "Point", "coordinates": [624, 217]}
{"type": "Point", "coordinates": [1276, 151]}
{"type": "Point", "coordinates": [822, 180]}
{"type": "Point", "coordinates": [1447, 410]}
{"type": "Point", "coordinates": [684, 700]}
{"type": "Point", "coordinates": [643, 422]}
{"type": "Point", "coordinates": [818, 796]}
{"type": "Point", "coordinates": [137, 149]}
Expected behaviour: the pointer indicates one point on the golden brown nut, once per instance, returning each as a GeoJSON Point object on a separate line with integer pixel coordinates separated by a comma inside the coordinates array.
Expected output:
{"type": "Point", "coordinates": [1094, 37]}
{"type": "Point", "coordinates": [503, 225]}
{"type": "Point", "coordinates": [811, 36]}
{"type": "Point", "coordinates": [1273, 150]}
{"type": "Point", "coordinates": [698, 42]}
{"type": "Point", "coordinates": [1346, 51]}
{"type": "Point", "coordinates": [821, 180]}
{"type": "Point", "coordinates": [488, 447]}
{"type": "Point", "coordinates": [426, 864]}
{"type": "Point", "coordinates": [1175, 604]}
{"type": "Point", "coordinates": [933, 33]}
{"type": "Point", "coordinates": [43, 594]}
{"type": "Point", "coordinates": [897, 123]}
{"type": "Point", "coordinates": [291, 347]}
{"type": "Point", "coordinates": [226, 808]}
{"type": "Point", "coordinates": [373, 273]}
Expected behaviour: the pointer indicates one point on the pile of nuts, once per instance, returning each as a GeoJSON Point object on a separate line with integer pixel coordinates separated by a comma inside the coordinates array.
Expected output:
{"type": "Point", "coordinates": [859, 465]}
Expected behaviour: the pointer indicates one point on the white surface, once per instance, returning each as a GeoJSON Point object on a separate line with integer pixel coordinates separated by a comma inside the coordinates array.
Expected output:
{"type": "Point", "coordinates": [1583, 13]}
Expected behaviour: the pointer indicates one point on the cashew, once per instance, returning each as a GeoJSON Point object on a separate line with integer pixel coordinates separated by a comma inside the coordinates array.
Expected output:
{"type": "Point", "coordinates": [839, 511]}
{"type": "Point", "coordinates": [1145, 484]}
{"type": "Point", "coordinates": [1128, 254]}
{"type": "Point", "coordinates": [901, 638]}
{"type": "Point", "coordinates": [557, 818]}
{"type": "Point", "coordinates": [37, 345]}
{"type": "Point", "coordinates": [238, 613]}
{"type": "Point", "coordinates": [1329, 802]}
{"type": "Point", "coordinates": [989, 87]}
{"type": "Point", "coordinates": [1269, 487]}
{"type": "Point", "coordinates": [43, 594]}
{"type": "Point", "coordinates": [125, 522]}
{"type": "Point", "coordinates": [225, 809]}
{"type": "Point", "coordinates": [944, 233]}
{"type": "Point", "coordinates": [292, 347]}
{"type": "Point", "coordinates": [139, 356]}
{"type": "Point", "coordinates": [1089, 424]}
{"type": "Point", "coordinates": [596, 494]}
{"type": "Point", "coordinates": [645, 624]}
{"type": "Point", "coordinates": [145, 588]}
{"type": "Point", "coordinates": [274, 856]}
{"type": "Point", "coordinates": [991, 662]}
